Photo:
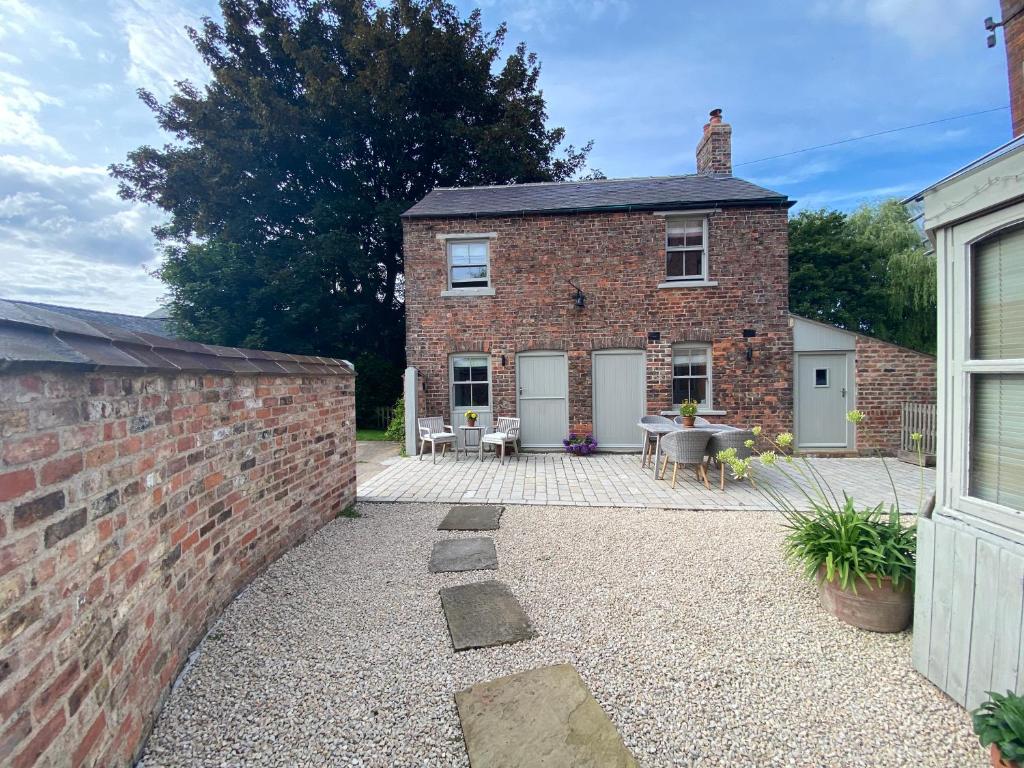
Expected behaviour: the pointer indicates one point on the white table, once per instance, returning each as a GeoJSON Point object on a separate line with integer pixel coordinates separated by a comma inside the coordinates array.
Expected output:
{"type": "Point", "coordinates": [469, 437]}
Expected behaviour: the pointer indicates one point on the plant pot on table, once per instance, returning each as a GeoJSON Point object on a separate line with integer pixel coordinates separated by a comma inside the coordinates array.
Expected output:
{"type": "Point", "coordinates": [688, 421]}
{"type": "Point", "coordinates": [470, 422]}
{"type": "Point", "coordinates": [876, 605]}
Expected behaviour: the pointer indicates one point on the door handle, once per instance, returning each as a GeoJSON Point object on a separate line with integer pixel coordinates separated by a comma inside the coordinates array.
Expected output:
{"type": "Point", "coordinates": [844, 391]}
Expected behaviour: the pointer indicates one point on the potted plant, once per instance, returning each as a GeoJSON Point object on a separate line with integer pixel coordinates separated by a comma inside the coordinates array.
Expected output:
{"type": "Point", "coordinates": [999, 723]}
{"type": "Point", "coordinates": [862, 559]}
{"type": "Point", "coordinates": [579, 446]}
{"type": "Point", "coordinates": [471, 417]}
{"type": "Point", "coordinates": [688, 410]}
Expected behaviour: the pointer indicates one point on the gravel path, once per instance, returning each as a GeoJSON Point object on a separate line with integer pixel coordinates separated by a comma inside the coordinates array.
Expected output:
{"type": "Point", "coordinates": [703, 648]}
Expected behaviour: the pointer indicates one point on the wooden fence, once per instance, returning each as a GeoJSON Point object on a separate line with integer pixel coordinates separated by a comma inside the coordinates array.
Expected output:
{"type": "Point", "coordinates": [919, 418]}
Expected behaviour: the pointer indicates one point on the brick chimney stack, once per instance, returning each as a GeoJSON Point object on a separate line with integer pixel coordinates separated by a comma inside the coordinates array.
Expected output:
{"type": "Point", "coordinates": [1013, 34]}
{"type": "Point", "coordinates": [714, 152]}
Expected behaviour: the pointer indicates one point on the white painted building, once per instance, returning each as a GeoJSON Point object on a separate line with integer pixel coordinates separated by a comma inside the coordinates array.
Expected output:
{"type": "Point", "coordinates": [970, 580]}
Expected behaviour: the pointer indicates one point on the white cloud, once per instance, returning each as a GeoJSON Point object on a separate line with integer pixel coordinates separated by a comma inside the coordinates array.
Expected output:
{"type": "Point", "coordinates": [20, 105]}
{"type": "Point", "coordinates": [159, 49]}
{"type": "Point", "coordinates": [924, 24]}
{"type": "Point", "coordinates": [65, 236]}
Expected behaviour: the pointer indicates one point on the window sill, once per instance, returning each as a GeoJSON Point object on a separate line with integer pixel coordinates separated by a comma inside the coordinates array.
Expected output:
{"type": "Point", "coordinates": [688, 284]}
{"type": "Point", "coordinates": [699, 413]}
{"type": "Point", "coordinates": [467, 292]}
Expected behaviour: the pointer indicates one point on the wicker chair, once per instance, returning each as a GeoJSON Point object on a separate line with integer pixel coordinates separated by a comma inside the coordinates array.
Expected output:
{"type": "Point", "coordinates": [506, 432]}
{"type": "Point", "coordinates": [651, 438]}
{"type": "Point", "coordinates": [433, 430]}
{"type": "Point", "coordinates": [686, 447]}
{"type": "Point", "coordinates": [730, 438]}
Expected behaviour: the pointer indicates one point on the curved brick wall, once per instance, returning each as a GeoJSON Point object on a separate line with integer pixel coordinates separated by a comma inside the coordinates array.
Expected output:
{"type": "Point", "coordinates": [133, 507]}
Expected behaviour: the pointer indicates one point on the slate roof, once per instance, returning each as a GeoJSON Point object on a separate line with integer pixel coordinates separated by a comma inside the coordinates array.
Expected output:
{"type": "Point", "coordinates": [149, 324]}
{"type": "Point", "coordinates": [650, 194]}
{"type": "Point", "coordinates": [31, 335]}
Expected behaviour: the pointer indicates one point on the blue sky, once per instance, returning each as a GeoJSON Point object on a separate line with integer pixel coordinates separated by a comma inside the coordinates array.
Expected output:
{"type": "Point", "coordinates": [636, 77]}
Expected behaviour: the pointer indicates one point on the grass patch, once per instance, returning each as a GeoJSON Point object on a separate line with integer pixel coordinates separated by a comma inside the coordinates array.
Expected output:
{"type": "Point", "coordinates": [371, 434]}
{"type": "Point", "coordinates": [350, 511]}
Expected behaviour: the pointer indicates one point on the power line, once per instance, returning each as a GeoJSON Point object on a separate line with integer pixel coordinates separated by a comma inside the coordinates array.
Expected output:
{"type": "Point", "coordinates": [873, 135]}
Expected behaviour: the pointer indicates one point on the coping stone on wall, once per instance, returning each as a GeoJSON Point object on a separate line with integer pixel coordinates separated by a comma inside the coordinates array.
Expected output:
{"type": "Point", "coordinates": [31, 336]}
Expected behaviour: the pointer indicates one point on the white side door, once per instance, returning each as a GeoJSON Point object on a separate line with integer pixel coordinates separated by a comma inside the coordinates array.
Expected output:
{"type": "Point", "coordinates": [542, 380]}
{"type": "Point", "coordinates": [619, 397]}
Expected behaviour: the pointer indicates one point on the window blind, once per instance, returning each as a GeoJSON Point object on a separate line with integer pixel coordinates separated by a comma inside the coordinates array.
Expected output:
{"type": "Point", "coordinates": [997, 439]}
{"type": "Point", "coordinates": [999, 297]}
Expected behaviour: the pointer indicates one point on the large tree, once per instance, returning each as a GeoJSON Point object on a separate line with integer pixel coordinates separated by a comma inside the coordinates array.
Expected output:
{"type": "Point", "coordinates": [322, 121]}
{"type": "Point", "coordinates": [869, 271]}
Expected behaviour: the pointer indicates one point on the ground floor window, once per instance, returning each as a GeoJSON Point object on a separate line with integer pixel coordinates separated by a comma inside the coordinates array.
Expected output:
{"type": "Point", "coordinates": [471, 387]}
{"type": "Point", "coordinates": [691, 373]}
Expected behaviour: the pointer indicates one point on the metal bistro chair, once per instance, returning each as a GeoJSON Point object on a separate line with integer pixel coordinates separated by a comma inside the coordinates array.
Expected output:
{"type": "Point", "coordinates": [433, 430]}
{"type": "Point", "coordinates": [651, 438]}
{"type": "Point", "coordinates": [506, 432]}
{"type": "Point", "coordinates": [686, 447]}
{"type": "Point", "coordinates": [729, 438]}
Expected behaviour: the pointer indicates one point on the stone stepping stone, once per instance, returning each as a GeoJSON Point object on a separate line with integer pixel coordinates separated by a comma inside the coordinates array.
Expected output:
{"type": "Point", "coordinates": [483, 614]}
{"type": "Point", "coordinates": [472, 517]}
{"type": "Point", "coordinates": [542, 717]}
{"type": "Point", "coordinates": [465, 554]}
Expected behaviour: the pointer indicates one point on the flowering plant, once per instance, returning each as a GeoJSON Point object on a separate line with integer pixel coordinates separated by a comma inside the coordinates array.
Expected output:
{"type": "Point", "coordinates": [849, 544]}
{"type": "Point", "coordinates": [579, 446]}
{"type": "Point", "coordinates": [472, 415]}
{"type": "Point", "coordinates": [688, 408]}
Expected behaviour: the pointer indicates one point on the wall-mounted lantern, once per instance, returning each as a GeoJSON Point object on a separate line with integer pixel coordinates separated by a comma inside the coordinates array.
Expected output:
{"type": "Point", "coordinates": [748, 334]}
{"type": "Point", "coordinates": [580, 299]}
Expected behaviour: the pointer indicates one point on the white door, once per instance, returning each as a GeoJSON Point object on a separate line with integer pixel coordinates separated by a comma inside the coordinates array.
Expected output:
{"type": "Point", "coordinates": [470, 381]}
{"type": "Point", "coordinates": [619, 397]}
{"type": "Point", "coordinates": [824, 394]}
{"type": "Point", "coordinates": [542, 379]}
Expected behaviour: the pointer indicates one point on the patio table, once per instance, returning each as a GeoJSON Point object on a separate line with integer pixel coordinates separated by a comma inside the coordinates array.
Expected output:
{"type": "Point", "coordinates": [470, 438]}
{"type": "Point", "coordinates": [659, 430]}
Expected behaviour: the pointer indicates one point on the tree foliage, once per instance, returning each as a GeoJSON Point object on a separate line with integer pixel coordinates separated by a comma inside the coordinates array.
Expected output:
{"type": "Point", "coordinates": [868, 271]}
{"type": "Point", "coordinates": [322, 122]}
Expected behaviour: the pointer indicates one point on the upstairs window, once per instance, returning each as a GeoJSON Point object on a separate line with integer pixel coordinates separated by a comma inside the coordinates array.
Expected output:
{"type": "Point", "coordinates": [468, 264]}
{"type": "Point", "coordinates": [686, 255]}
{"type": "Point", "coordinates": [691, 374]}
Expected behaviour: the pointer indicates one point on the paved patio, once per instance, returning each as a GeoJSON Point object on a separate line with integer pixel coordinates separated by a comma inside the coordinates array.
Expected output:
{"type": "Point", "coordinates": [616, 480]}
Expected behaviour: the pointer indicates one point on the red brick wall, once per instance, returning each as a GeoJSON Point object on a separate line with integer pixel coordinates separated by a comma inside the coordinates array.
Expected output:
{"type": "Point", "coordinates": [1013, 34]}
{"type": "Point", "coordinates": [132, 509]}
{"type": "Point", "coordinates": [618, 259]}
{"type": "Point", "coordinates": [887, 377]}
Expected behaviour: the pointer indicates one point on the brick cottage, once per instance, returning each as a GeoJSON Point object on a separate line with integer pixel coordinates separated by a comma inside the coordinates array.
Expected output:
{"type": "Point", "coordinates": [580, 306]}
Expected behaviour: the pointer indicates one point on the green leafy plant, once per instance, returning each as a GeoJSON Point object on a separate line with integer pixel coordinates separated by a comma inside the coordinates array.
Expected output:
{"type": "Point", "coordinates": [688, 408]}
{"type": "Point", "coordinates": [1000, 721]}
{"type": "Point", "coordinates": [396, 429]}
{"type": "Point", "coordinates": [851, 544]}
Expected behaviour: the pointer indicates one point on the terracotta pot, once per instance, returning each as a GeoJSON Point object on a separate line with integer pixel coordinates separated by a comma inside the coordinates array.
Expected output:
{"type": "Point", "coordinates": [876, 606]}
{"type": "Point", "coordinates": [688, 421]}
{"type": "Point", "coordinates": [470, 422]}
{"type": "Point", "coordinates": [997, 760]}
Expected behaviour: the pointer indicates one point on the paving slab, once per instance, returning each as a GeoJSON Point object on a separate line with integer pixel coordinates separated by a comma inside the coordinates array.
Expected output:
{"type": "Point", "coordinates": [483, 614]}
{"type": "Point", "coordinates": [472, 517]}
{"type": "Point", "coordinates": [542, 717]}
{"type": "Point", "coordinates": [466, 554]}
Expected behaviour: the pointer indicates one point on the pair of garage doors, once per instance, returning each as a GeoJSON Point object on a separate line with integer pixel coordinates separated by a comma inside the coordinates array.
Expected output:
{"type": "Point", "coordinates": [619, 387]}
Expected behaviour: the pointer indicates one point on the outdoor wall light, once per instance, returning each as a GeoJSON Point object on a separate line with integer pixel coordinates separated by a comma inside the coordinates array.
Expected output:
{"type": "Point", "coordinates": [580, 299]}
{"type": "Point", "coordinates": [748, 334]}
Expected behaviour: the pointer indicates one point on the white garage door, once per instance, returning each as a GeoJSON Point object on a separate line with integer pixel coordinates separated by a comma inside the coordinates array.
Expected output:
{"type": "Point", "coordinates": [619, 397]}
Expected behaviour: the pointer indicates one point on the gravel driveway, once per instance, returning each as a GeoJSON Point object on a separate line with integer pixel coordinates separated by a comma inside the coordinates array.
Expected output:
{"type": "Point", "coordinates": [703, 648]}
